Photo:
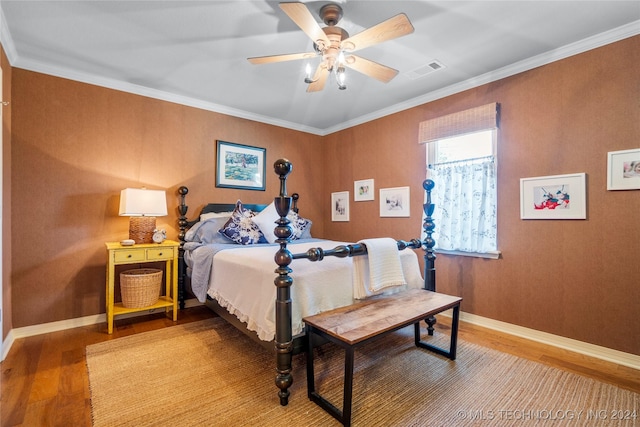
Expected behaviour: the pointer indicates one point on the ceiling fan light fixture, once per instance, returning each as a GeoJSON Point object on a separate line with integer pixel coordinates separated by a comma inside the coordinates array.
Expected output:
{"type": "Point", "coordinates": [307, 74]}
{"type": "Point", "coordinates": [340, 77]}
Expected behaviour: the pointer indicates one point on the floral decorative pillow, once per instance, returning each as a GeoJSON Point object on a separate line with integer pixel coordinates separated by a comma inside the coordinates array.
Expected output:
{"type": "Point", "coordinates": [241, 229]}
{"type": "Point", "coordinates": [306, 233]}
{"type": "Point", "coordinates": [299, 225]}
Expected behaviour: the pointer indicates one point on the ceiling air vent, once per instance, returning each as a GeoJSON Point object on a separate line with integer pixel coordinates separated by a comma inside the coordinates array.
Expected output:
{"type": "Point", "coordinates": [423, 70]}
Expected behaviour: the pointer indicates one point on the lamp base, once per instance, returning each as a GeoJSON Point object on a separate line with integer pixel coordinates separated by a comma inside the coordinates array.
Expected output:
{"type": "Point", "coordinates": [141, 228]}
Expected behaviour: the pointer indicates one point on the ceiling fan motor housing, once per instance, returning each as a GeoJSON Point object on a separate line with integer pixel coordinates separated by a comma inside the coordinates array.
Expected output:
{"type": "Point", "coordinates": [330, 53]}
{"type": "Point", "coordinates": [331, 14]}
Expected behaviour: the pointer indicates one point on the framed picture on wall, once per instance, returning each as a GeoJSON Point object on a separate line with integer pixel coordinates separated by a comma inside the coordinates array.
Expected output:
{"type": "Point", "coordinates": [340, 206]}
{"type": "Point", "coordinates": [395, 201]}
{"type": "Point", "coordinates": [240, 166]}
{"type": "Point", "coordinates": [363, 190]}
{"type": "Point", "coordinates": [553, 197]}
{"type": "Point", "coordinates": [623, 170]}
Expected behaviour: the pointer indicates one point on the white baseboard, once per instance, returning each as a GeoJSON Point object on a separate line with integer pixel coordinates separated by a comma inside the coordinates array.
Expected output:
{"type": "Point", "coordinates": [44, 328]}
{"type": "Point", "coordinates": [6, 344]}
{"type": "Point", "coordinates": [592, 350]}
{"type": "Point", "coordinates": [28, 331]}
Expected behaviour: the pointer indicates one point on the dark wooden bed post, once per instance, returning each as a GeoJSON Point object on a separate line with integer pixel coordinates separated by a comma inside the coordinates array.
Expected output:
{"type": "Point", "coordinates": [429, 243]}
{"type": "Point", "coordinates": [283, 282]}
{"type": "Point", "coordinates": [182, 224]}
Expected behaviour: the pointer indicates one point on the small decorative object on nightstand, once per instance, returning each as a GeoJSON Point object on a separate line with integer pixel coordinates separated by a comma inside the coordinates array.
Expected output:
{"type": "Point", "coordinates": [119, 254]}
{"type": "Point", "coordinates": [159, 236]}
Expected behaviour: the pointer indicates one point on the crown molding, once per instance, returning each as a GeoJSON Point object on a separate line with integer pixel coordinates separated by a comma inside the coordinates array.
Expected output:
{"type": "Point", "coordinates": [563, 52]}
{"type": "Point", "coordinates": [590, 43]}
{"type": "Point", "coordinates": [6, 40]}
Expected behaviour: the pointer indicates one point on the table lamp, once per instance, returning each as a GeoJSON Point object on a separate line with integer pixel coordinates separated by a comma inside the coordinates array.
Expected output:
{"type": "Point", "coordinates": [143, 206]}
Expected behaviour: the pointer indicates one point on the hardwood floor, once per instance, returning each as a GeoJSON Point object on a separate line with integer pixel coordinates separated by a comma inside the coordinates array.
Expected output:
{"type": "Point", "coordinates": [44, 378]}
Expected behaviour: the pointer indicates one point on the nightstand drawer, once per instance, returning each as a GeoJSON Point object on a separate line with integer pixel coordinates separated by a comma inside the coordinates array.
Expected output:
{"type": "Point", "coordinates": [159, 254]}
{"type": "Point", "coordinates": [126, 256]}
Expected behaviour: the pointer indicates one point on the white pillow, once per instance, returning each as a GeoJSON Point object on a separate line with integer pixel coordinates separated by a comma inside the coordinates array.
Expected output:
{"type": "Point", "coordinates": [208, 215]}
{"type": "Point", "coordinates": [266, 220]}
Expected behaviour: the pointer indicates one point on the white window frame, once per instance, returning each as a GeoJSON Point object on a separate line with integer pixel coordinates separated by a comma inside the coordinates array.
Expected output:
{"type": "Point", "coordinates": [431, 153]}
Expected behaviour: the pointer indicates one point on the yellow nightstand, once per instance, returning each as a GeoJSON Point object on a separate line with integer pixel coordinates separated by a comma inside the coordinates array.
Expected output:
{"type": "Point", "coordinates": [137, 254]}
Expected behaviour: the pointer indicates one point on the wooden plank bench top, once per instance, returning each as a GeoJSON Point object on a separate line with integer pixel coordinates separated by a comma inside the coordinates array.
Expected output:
{"type": "Point", "coordinates": [378, 315]}
{"type": "Point", "coordinates": [374, 317]}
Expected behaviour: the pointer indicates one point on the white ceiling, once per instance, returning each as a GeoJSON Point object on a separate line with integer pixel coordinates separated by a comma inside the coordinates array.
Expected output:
{"type": "Point", "coordinates": [195, 52]}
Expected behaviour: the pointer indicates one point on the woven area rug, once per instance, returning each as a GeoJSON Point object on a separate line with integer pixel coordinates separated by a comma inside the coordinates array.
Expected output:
{"type": "Point", "coordinates": [208, 374]}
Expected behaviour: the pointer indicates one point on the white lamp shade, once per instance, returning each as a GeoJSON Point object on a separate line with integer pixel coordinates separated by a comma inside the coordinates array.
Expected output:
{"type": "Point", "coordinates": [142, 202]}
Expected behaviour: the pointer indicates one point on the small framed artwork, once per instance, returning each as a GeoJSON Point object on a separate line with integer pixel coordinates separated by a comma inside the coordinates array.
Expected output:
{"type": "Point", "coordinates": [395, 201]}
{"type": "Point", "coordinates": [553, 197]}
{"type": "Point", "coordinates": [363, 190]}
{"type": "Point", "coordinates": [340, 206]}
{"type": "Point", "coordinates": [623, 170]}
{"type": "Point", "coordinates": [240, 166]}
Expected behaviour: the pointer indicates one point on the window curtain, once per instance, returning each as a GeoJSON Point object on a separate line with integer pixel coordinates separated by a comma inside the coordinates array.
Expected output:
{"type": "Point", "coordinates": [465, 200]}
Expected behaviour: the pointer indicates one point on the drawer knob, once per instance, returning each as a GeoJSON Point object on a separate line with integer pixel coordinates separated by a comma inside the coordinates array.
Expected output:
{"type": "Point", "coordinates": [160, 254]}
{"type": "Point", "coordinates": [129, 256]}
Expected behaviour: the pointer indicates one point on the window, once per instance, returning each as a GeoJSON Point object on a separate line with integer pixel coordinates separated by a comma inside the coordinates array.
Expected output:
{"type": "Point", "coordinates": [458, 148]}
{"type": "Point", "coordinates": [461, 159]}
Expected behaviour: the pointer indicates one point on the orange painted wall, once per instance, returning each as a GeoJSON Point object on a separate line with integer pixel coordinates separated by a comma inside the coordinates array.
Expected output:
{"type": "Point", "coordinates": [7, 323]}
{"type": "Point", "coordinates": [75, 146]}
{"type": "Point", "coordinates": [577, 279]}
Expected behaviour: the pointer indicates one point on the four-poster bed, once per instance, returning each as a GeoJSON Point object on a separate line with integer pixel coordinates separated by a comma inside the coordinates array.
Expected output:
{"type": "Point", "coordinates": [285, 331]}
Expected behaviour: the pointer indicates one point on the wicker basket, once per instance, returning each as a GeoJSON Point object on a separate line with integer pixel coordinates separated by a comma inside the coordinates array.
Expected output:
{"type": "Point", "coordinates": [140, 288]}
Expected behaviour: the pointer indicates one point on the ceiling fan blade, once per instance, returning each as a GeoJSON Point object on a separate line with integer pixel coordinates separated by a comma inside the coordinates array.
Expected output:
{"type": "Point", "coordinates": [319, 79]}
{"type": "Point", "coordinates": [392, 28]}
{"type": "Point", "coordinates": [281, 58]}
{"type": "Point", "coordinates": [370, 68]}
{"type": "Point", "coordinates": [300, 14]}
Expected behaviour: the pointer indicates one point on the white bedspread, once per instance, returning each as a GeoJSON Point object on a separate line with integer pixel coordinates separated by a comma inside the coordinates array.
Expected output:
{"type": "Point", "coordinates": [239, 283]}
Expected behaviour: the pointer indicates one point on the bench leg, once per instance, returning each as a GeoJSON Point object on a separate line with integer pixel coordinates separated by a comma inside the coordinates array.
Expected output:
{"type": "Point", "coordinates": [311, 386]}
{"type": "Point", "coordinates": [343, 416]}
{"type": "Point", "coordinates": [451, 354]}
{"type": "Point", "coordinates": [348, 386]}
{"type": "Point", "coordinates": [454, 331]}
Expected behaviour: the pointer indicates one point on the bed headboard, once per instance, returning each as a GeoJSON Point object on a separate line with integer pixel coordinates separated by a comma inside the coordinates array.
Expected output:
{"type": "Point", "coordinates": [225, 207]}
{"type": "Point", "coordinates": [184, 223]}
{"type": "Point", "coordinates": [228, 207]}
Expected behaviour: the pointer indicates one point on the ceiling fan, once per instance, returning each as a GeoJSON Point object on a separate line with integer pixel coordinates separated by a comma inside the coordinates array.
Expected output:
{"type": "Point", "coordinates": [335, 46]}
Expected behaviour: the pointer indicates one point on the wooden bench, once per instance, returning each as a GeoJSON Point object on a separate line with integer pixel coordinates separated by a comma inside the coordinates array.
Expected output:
{"type": "Point", "coordinates": [354, 325]}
